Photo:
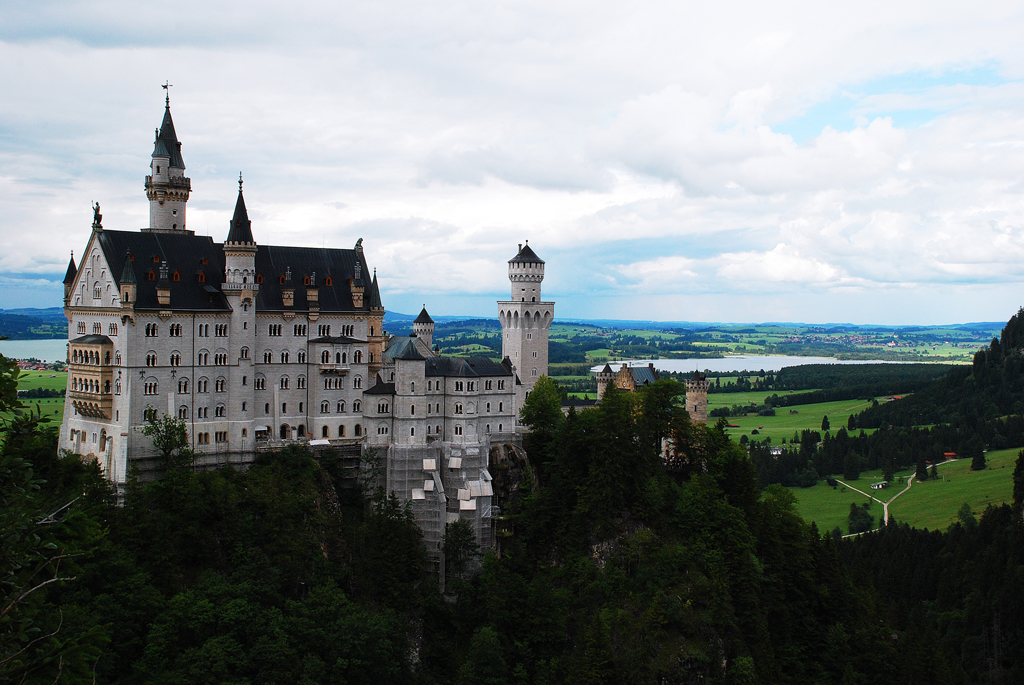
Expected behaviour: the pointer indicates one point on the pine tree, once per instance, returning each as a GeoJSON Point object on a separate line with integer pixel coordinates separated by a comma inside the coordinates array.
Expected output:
{"type": "Point", "coordinates": [976, 451]}
{"type": "Point", "coordinates": [922, 470]}
{"type": "Point", "coordinates": [824, 423]}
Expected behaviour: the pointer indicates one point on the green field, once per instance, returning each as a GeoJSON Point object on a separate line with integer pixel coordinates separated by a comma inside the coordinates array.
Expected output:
{"type": "Point", "coordinates": [784, 424]}
{"type": "Point", "coordinates": [51, 407]}
{"type": "Point", "coordinates": [934, 504]}
{"type": "Point", "coordinates": [830, 507]}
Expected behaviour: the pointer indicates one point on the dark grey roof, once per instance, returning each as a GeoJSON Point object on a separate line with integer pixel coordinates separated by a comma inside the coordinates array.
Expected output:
{"type": "Point", "coordinates": [336, 340]}
{"type": "Point", "coordinates": [526, 256]}
{"type": "Point", "coordinates": [698, 376]}
{"type": "Point", "coordinates": [374, 298]}
{"type": "Point", "coordinates": [338, 265]}
{"type": "Point", "coordinates": [405, 348]}
{"type": "Point", "coordinates": [167, 144]}
{"type": "Point", "coordinates": [423, 317]}
{"type": "Point", "coordinates": [127, 271]}
{"type": "Point", "coordinates": [465, 367]}
{"type": "Point", "coordinates": [381, 388]}
{"type": "Point", "coordinates": [643, 375]}
{"type": "Point", "coordinates": [93, 340]}
{"type": "Point", "coordinates": [184, 254]}
{"type": "Point", "coordinates": [607, 369]}
{"type": "Point", "coordinates": [69, 276]}
{"type": "Point", "coordinates": [241, 227]}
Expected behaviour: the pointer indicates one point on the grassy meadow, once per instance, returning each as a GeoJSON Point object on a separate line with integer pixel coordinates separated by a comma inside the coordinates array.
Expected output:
{"type": "Point", "coordinates": [784, 424]}
{"type": "Point", "coordinates": [934, 504]}
{"type": "Point", "coordinates": [52, 407]}
{"type": "Point", "coordinates": [931, 504]}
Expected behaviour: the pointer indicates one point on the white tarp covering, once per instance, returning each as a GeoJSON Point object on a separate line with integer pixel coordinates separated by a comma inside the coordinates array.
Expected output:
{"type": "Point", "coordinates": [319, 443]}
{"type": "Point", "coordinates": [463, 494]}
{"type": "Point", "coordinates": [474, 488]}
{"type": "Point", "coordinates": [428, 486]}
{"type": "Point", "coordinates": [467, 505]}
{"type": "Point", "coordinates": [417, 493]}
{"type": "Point", "coordinates": [429, 464]}
{"type": "Point", "coordinates": [455, 463]}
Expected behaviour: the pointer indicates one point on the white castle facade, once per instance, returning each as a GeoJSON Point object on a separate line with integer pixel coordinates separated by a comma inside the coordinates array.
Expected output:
{"type": "Point", "coordinates": [255, 346]}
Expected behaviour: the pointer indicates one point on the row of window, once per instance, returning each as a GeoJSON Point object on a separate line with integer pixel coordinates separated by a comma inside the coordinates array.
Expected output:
{"type": "Point", "coordinates": [97, 328]}
{"type": "Point", "coordinates": [91, 357]}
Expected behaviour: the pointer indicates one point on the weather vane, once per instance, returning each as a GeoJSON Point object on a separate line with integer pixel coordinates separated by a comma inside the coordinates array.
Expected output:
{"type": "Point", "coordinates": [167, 85]}
{"type": "Point", "coordinates": [239, 181]}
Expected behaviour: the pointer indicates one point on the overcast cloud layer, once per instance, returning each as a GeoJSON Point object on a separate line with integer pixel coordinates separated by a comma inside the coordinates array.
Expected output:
{"type": "Point", "coordinates": [740, 161]}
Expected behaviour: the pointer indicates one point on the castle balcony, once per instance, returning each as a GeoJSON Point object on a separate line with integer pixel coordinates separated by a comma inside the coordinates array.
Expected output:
{"type": "Point", "coordinates": [92, 404]}
{"type": "Point", "coordinates": [334, 368]}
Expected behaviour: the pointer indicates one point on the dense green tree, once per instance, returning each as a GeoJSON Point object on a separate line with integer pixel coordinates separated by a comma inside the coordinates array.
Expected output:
{"type": "Point", "coordinates": [170, 437]}
{"type": "Point", "coordinates": [824, 424]}
{"type": "Point", "coordinates": [460, 547]}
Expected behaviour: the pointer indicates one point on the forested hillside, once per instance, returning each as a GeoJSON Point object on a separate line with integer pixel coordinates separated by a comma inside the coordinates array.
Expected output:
{"type": "Point", "coordinates": [614, 568]}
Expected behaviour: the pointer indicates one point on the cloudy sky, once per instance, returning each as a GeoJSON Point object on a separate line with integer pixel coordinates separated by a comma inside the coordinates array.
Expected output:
{"type": "Point", "coordinates": [717, 161]}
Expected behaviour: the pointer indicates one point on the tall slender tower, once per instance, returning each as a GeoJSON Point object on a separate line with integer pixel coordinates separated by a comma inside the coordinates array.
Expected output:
{"type": "Point", "coordinates": [525, 321]}
{"type": "Point", "coordinates": [166, 186]}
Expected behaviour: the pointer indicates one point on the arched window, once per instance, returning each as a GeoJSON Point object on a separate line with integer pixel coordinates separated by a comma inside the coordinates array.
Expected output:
{"type": "Point", "coordinates": [324, 433]}
{"type": "Point", "coordinates": [341, 407]}
{"type": "Point", "coordinates": [325, 407]}
{"type": "Point", "coordinates": [284, 358]}
{"type": "Point", "coordinates": [325, 357]}
{"type": "Point", "coordinates": [300, 382]}
{"type": "Point", "coordinates": [359, 430]}
{"type": "Point", "coordinates": [357, 406]}
{"type": "Point", "coordinates": [357, 357]}
{"type": "Point", "coordinates": [341, 431]}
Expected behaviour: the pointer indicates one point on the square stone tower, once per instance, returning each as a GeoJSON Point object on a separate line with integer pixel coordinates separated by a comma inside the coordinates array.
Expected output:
{"type": "Point", "coordinates": [525, 321]}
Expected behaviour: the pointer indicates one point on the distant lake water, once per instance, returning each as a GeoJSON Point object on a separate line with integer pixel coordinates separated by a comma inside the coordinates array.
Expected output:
{"type": "Point", "coordinates": [738, 362]}
{"type": "Point", "coordinates": [43, 350]}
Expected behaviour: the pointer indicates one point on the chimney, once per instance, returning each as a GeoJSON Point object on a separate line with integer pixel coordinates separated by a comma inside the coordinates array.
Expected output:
{"type": "Point", "coordinates": [288, 289]}
{"type": "Point", "coordinates": [312, 294]}
{"type": "Point", "coordinates": [163, 286]}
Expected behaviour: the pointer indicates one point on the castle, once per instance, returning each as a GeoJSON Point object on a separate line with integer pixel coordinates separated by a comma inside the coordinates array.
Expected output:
{"type": "Point", "coordinates": [630, 378]}
{"type": "Point", "coordinates": [255, 346]}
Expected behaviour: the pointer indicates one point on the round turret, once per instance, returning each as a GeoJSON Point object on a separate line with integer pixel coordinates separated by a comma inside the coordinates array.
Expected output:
{"type": "Point", "coordinates": [526, 271]}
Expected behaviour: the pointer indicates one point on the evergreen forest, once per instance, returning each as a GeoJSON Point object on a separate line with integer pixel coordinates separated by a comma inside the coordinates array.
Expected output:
{"type": "Point", "coordinates": [636, 547]}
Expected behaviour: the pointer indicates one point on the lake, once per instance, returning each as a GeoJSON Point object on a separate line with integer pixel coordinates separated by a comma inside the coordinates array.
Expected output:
{"type": "Point", "coordinates": [738, 362]}
{"type": "Point", "coordinates": [43, 350]}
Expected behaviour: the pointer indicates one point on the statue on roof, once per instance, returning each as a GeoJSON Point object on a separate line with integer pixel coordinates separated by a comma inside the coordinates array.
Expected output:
{"type": "Point", "coordinates": [97, 218]}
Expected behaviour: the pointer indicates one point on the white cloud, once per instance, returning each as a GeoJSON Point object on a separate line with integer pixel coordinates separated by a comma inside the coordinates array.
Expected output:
{"type": "Point", "coordinates": [639, 147]}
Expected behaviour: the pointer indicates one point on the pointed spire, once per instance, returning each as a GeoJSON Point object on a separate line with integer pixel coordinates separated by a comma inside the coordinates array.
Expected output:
{"type": "Point", "coordinates": [128, 272]}
{"type": "Point", "coordinates": [375, 302]}
{"type": "Point", "coordinates": [166, 144]}
{"type": "Point", "coordinates": [72, 271]}
{"type": "Point", "coordinates": [423, 317]}
{"type": "Point", "coordinates": [241, 227]}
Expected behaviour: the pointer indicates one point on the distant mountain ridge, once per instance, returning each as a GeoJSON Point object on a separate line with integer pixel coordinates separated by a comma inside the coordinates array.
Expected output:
{"type": "Point", "coordinates": [33, 324]}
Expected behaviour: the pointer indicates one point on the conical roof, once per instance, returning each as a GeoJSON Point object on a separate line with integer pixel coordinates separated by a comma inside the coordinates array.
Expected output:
{"type": "Point", "coordinates": [167, 144]}
{"type": "Point", "coordinates": [241, 227]}
{"type": "Point", "coordinates": [423, 317]}
{"type": "Point", "coordinates": [72, 271]}
{"type": "Point", "coordinates": [128, 272]}
{"type": "Point", "coordinates": [526, 256]}
{"type": "Point", "coordinates": [375, 302]}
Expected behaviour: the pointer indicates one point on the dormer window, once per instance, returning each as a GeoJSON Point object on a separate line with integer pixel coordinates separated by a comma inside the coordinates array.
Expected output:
{"type": "Point", "coordinates": [259, 278]}
{"type": "Point", "coordinates": [150, 275]}
{"type": "Point", "coordinates": [176, 277]}
{"type": "Point", "coordinates": [305, 281]}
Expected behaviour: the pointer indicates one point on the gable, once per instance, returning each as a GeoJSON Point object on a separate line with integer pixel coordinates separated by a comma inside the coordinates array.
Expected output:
{"type": "Point", "coordinates": [94, 284]}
